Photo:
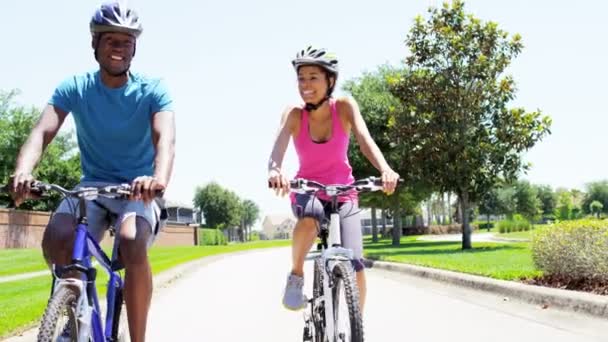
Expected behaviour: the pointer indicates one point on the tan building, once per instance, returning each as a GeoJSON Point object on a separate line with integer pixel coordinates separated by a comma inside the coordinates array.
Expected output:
{"type": "Point", "coordinates": [278, 226]}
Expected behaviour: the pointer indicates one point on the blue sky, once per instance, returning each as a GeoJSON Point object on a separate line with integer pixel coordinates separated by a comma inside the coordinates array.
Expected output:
{"type": "Point", "coordinates": [227, 64]}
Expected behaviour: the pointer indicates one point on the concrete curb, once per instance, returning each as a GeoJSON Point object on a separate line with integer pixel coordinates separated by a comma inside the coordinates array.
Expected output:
{"type": "Point", "coordinates": [580, 302]}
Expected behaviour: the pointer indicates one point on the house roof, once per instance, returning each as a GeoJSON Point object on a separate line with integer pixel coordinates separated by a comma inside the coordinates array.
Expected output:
{"type": "Point", "coordinates": [177, 204]}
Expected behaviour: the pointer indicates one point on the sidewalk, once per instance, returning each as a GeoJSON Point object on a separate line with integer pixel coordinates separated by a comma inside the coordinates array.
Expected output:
{"type": "Point", "coordinates": [476, 237]}
{"type": "Point", "coordinates": [545, 297]}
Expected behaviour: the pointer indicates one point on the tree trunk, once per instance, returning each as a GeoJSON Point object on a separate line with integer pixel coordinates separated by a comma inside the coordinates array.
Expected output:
{"type": "Point", "coordinates": [449, 209]}
{"type": "Point", "coordinates": [383, 213]}
{"type": "Point", "coordinates": [488, 223]}
{"type": "Point", "coordinates": [374, 226]}
{"type": "Point", "coordinates": [397, 227]}
{"type": "Point", "coordinates": [243, 232]}
{"type": "Point", "coordinates": [466, 229]}
{"type": "Point", "coordinates": [443, 211]}
{"type": "Point", "coordinates": [429, 211]}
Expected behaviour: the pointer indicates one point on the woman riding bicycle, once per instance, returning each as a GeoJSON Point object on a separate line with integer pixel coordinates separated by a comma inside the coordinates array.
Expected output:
{"type": "Point", "coordinates": [320, 130]}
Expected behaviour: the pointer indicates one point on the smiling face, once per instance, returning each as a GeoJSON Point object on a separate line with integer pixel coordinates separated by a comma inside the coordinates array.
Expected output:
{"type": "Point", "coordinates": [115, 52]}
{"type": "Point", "coordinates": [313, 83]}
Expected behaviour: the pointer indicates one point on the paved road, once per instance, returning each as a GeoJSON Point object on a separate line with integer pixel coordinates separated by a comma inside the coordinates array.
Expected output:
{"type": "Point", "coordinates": [238, 299]}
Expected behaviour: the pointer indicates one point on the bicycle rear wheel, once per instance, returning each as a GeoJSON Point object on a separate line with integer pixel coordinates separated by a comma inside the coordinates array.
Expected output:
{"type": "Point", "coordinates": [347, 314]}
{"type": "Point", "coordinates": [59, 321]}
{"type": "Point", "coordinates": [318, 311]}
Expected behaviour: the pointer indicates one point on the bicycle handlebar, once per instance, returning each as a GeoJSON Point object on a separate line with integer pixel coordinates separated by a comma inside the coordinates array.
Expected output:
{"type": "Point", "coordinates": [369, 184]}
{"type": "Point", "coordinates": [120, 191]}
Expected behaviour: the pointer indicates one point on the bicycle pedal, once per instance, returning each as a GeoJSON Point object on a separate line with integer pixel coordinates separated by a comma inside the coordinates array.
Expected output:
{"type": "Point", "coordinates": [307, 334]}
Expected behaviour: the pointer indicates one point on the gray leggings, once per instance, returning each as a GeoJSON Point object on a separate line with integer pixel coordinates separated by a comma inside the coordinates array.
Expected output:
{"type": "Point", "coordinates": [350, 222]}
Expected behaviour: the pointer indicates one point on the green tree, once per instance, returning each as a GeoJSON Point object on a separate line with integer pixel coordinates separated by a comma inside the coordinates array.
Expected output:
{"type": "Point", "coordinates": [221, 207]}
{"type": "Point", "coordinates": [548, 200]}
{"type": "Point", "coordinates": [251, 213]}
{"type": "Point", "coordinates": [376, 103]}
{"type": "Point", "coordinates": [490, 204]}
{"type": "Point", "coordinates": [456, 127]}
{"type": "Point", "coordinates": [60, 162]}
{"type": "Point", "coordinates": [596, 191]}
{"type": "Point", "coordinates": [596, 208]}
{"type": "Point", "coordinates": [528, 204]}
{"type": "Point", "coordinates": [564, 204]}
{"type": "Point", "coordinates": [578, 198]}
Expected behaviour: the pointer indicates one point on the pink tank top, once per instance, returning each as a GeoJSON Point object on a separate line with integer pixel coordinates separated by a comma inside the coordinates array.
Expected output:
{"type": "Point", "coordinates": [326, 162]}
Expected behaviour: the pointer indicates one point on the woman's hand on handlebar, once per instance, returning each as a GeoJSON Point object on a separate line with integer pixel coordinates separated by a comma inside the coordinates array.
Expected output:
{"type": "Point", "coordinates": [389, 180]}
{"type": "Point", "coordinates": [278, 182]}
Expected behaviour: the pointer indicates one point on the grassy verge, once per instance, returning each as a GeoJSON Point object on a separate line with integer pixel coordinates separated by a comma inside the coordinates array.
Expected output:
{"type": "Point", "coordinates": [22, 302]}
{"type": "Point", "coordinates": [508, 261]}
{"type": "Point", "coordinates": [518, 235]}
{"type": "Point", "coordinates": [15, 261]}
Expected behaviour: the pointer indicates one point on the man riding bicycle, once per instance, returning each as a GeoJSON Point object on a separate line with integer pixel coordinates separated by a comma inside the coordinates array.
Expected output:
{"type": "Point", "coordinates": [126, 134]}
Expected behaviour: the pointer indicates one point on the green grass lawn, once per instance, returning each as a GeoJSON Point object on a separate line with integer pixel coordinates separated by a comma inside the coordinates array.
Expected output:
{"type": "Point", "coordinates": [22, 302]}
{"type": "Point", "coordinates": [510, 261]}
{"type": "Point", "coordinates": [518, 235]}
{"type": "Point", "coordinates": [15, 261]}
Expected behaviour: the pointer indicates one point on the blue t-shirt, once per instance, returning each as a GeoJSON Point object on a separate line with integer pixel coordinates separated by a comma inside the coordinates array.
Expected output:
{"type": "Point", "coordinates": [113, 125]}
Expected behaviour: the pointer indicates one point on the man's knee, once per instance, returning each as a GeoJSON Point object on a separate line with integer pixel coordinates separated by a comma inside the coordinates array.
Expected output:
{"type": "Point", "coordinates": [133, 245]}
{"type": "Point", "coordinates": [58, 237]}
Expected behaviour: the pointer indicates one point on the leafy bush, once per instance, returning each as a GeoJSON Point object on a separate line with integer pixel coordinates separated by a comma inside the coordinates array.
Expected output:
{"type": "Point", "coordinates": [576, 249]}
{"type": "Point", "coordinates": [211, 237]}
{"type": "Point", "coordinates": [255, 236]}
{"type": "Point", "coordinates": [484, 224]}
{"type": "Point", "coordinates": [454, 228]}
{"type": "Point", "coordinates": [517, 224]}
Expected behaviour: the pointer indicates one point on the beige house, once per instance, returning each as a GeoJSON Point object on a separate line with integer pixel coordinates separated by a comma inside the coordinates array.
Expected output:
{"type": "Point", "coordinates": [278, 226]}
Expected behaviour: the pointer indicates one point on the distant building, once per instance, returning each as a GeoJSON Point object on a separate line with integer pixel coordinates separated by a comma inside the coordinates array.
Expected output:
{"type": "Point", "coordinates": [278, 226]}
{"type": "Point", "coordinates": [182, 213]}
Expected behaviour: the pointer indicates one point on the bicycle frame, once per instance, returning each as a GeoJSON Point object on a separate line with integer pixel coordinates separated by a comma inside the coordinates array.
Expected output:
{"type": "Point", "coordinates": [331, 256]}
{"type": "Point", "coordinates": [89, 311]}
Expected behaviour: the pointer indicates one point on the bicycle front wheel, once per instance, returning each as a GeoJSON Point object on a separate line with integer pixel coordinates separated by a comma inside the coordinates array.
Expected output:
{"type": "Point", "coordinates": [59, 322]}
{"type": "Point", "coordinates": [318, 310]}
{"type": "Point", "coordinates": [348, 322]}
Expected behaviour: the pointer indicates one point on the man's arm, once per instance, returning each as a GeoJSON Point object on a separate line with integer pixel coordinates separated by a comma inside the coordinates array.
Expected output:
{"type": "Point", "coordinates": [40, 137]}
{"type": "Point", "coordinates": [163, 136]}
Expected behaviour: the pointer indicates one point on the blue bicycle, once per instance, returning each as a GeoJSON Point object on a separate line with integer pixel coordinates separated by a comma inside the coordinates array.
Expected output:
{"type": "Point", "coordinates": [73, 312]}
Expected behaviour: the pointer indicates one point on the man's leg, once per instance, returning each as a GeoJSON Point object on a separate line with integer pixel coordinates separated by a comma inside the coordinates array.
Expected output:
{"type": "Point", "coordinates": [58, 239]}
{"type": "Point", "coordinates": [135, 234]}
{"type": "Point", "coordinates": [59, 235]}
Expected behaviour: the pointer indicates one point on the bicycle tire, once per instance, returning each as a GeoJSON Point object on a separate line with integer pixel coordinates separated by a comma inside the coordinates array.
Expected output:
{"type": "Point", "coordinates": [65, 297]}
{"type": "Point", "coordinates": [344, 279]}
{"type": "Point", "coordinates": [318, 312]}
{"type": "Point", "coordinates": [123, 326]}
{"type": "Point", "coordinates": [120, 320]}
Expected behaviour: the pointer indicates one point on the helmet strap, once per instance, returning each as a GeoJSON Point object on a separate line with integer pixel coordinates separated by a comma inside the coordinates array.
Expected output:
{"type": "Point", "coordinates": [309, 107]}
